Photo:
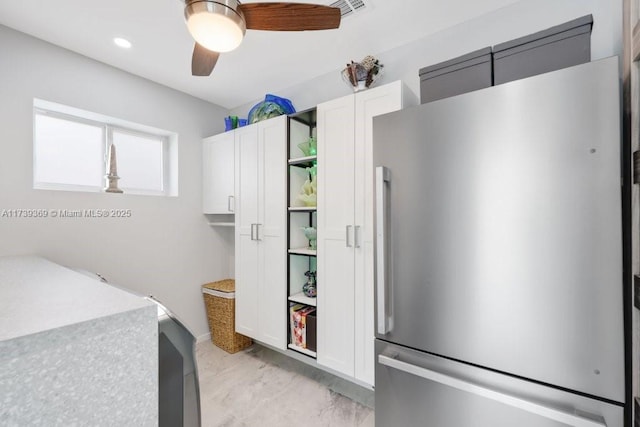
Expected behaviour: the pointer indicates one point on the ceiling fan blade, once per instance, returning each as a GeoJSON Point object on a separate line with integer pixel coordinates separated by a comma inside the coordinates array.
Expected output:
{"type": "Point", "coordinates": [280, 16]}
{"type": "Point", "coordinates": [203, 61]}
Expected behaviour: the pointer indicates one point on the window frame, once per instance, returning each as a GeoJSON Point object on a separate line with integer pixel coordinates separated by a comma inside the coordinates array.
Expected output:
{"type": "Point", "coordinates": [108, 125]}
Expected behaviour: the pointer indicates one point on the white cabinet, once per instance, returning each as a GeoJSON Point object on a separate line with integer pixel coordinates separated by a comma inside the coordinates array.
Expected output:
{"type": "Point", "coordinates": [336, 158]}
{"type": "Point", "coordinates": [345, 229]}
{"type": "Point", "coordinates": [218, 174]}
{"type": "Point", "coordinates": [260, 231]}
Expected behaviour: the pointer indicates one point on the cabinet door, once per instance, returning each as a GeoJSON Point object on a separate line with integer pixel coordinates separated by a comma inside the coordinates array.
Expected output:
{"type": "Point", "coordinates": [218, 174]}
{"type": "Point", "coordinates": [368, 104]}
{"type": "Point", "coordinates": [272, 207]}
{"type": "Point", "coordinates": [246, 218]}
{"type": "Point", "coordinates": [335, 234]}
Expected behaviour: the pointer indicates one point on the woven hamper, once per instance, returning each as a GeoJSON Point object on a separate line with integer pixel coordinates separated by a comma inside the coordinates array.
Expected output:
{"type": "Point", "coordinates": [220, 303]}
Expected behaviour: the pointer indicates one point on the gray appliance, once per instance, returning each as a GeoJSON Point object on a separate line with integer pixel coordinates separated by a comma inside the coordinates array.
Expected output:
{"type": "Point", "coordinates": [178, 384]}
{"type": "Point", "coordinates": [179, 388]}
{"type": "Point", "coordinates": [499, 256]}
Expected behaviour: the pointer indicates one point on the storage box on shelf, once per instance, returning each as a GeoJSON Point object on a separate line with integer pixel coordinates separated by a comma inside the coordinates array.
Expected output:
{"type": "Point", "coordinates": [302, 329]}
{"type": "Point", "coordinates": [552, 49]}
{"type": "Point", "coordinates": [302, 158]}
{"type": "Point", "coordinates": [463, 74]}
{"type": "Point", "coordinates": [557, 47]}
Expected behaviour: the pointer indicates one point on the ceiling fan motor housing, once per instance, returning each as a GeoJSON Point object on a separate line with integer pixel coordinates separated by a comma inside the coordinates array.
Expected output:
{"type": "Point", "coordinates": [227, 10]}
{"type": "Point", "coordinates": [219, 25]}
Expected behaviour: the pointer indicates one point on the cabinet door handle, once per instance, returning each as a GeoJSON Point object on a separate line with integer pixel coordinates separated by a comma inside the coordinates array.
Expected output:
{"type": "Point", "coordinates": [523, 404]}
{"type": "Point", "coordinates": [348, 240]}
{"type": "Point", "coordinates": [252, 232]}
{"type": "Point", "coordinates": [258, 232]}
{"type": "Point", "coordinates": [357, 236]}
{"type": "Point", "coordinates": [230, 204]}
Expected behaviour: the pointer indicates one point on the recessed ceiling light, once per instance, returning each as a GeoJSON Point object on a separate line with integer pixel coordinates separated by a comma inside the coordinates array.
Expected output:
{"type": "Point", "coordinates": [123, 43]}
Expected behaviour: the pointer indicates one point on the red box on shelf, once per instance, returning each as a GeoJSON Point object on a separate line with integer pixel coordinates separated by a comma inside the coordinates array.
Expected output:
{"type": "Point", "coordinates": [298, 323]}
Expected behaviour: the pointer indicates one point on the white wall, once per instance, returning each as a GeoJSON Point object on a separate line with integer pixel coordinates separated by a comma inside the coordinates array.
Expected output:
{"type": "Point", "coordinates": [166, 248]}
{"type": "Point", "coordinates": [517, 20]}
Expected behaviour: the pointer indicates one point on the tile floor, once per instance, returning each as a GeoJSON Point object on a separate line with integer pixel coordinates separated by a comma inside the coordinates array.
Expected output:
{"type": "Point", "coordinates": [260, 387]}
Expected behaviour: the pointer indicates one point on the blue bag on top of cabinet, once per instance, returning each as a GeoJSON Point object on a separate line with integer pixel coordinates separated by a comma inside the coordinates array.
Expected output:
{"type": "Point", "coordinates": [272, 106]}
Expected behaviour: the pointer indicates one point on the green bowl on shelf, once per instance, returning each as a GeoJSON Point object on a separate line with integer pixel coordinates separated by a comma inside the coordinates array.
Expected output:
{"type": "Point", "coordinates": [309, 148]}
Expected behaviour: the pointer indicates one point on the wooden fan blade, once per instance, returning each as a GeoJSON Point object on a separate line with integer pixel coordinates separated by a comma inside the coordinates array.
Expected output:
{"type": "Point", "coordinates": [203, 61]}
{"type": "Point", "coordinates": [280, 16]}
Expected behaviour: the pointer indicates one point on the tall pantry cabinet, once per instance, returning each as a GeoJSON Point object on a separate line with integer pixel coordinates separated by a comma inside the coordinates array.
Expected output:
{"type": "Point", "coordinates": [344, 259]}
{"type": "Point", "coordinates": [345, 229]}
{"type": "Point", "coordinates": [260, 232]}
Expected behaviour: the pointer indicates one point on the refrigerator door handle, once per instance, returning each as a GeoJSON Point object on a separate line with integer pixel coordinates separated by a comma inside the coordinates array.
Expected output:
{"type": "Point", "coordinates": [382, 177]}
{"type": "Point", "coordinates": [513, 401]}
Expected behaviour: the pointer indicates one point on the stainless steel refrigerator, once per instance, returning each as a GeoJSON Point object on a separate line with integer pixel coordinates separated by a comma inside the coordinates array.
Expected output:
{"type": "Point", "coordinates": [499, 256]}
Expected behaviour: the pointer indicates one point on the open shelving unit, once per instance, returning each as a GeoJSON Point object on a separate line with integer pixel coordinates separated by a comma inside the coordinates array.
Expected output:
{"type": "Point", "coordinates": [301, 257]}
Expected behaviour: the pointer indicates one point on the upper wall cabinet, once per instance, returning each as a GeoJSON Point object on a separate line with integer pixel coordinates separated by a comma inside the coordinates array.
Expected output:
{"type": "Point", "coordinates": [218, 174]}
{"type": "Point", "coordinates": [345, 229]}
{"type": "Point", "coordinates": [260, 231]}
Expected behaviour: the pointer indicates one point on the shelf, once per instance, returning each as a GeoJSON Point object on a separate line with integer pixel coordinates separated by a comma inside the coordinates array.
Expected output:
{"type": "Point", "coordinates": [303, 251]}
{"type": "Point", "coordinates": [307, 117]}
{"type": "Point", "coordinates": [220, 219]}
{"type": "Point", "coordinates": [302, 350]}
{"type": "Point", "coordinates": [302, 209]}
{"type": "Point", "coordinates": [303, 161]}
{"type": "Point", "coordinates": [303, 299]}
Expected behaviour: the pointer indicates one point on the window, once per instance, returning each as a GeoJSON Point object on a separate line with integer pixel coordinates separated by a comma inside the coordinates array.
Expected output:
{"type": "Point", "coordinates": [141, 160]}
{"type": "Point", "coordinates": [68, 152]}
{"type": "Point", "coordinates": [71, 152]}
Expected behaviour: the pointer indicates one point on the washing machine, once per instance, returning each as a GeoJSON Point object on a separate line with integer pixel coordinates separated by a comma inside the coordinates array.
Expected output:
{"type": "Point", "coordinates": [179, 392]}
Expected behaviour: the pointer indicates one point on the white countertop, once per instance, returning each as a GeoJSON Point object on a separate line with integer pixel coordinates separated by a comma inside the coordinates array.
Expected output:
{"type": "Point", "coordinates": [37, 295]}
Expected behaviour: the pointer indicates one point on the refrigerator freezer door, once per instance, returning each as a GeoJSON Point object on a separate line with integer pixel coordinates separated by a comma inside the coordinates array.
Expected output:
{"type": "Point", "coordinates": [500, 233]}
{"type": "Point", "coordinates": [419, 389]}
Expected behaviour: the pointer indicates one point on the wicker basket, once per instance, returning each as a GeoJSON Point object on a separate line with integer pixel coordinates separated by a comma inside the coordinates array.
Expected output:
{"type": "Point", "coordinates": [220, 303]}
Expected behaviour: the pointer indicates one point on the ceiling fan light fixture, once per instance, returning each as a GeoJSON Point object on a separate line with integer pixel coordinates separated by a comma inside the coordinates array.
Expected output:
{"type": "Point", "coordinates": [216, 25]}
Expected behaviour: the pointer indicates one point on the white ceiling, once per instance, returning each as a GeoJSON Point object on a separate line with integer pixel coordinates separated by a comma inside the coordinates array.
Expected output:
{"type": "Point", "coordinates": [264, 63]}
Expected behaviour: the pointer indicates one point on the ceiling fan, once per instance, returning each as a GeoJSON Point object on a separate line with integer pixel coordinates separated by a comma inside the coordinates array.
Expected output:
{"type": "Point", "coordinates": [219, 25]}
